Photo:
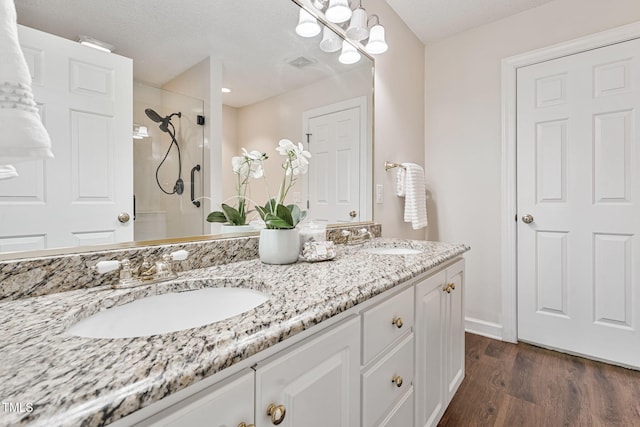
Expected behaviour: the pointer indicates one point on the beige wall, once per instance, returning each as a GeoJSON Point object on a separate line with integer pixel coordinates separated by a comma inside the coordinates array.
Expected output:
{"type": "Point", "coordinates": [399, 115]}
{"type": "Point", "coordinates": [463, 131]}
{"type": "Point", "coordinates": [261, 125]}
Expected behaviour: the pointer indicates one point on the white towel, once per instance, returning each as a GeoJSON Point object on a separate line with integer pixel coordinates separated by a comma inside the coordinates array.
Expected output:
{"type": "Point", "coordinates": [22, 135]}
{"type": "Point", "coordinates": [415, 197]}
{"type": "Point", "coordinates": [400, 182]}
{"type": "Point", "coordinates": [7, 172]}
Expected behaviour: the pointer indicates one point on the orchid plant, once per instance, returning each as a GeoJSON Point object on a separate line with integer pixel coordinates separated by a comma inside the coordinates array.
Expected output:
{"type": "Point", "coordinates": [275, 214]}
{"type": "Point", "coordinates": [248, 165]}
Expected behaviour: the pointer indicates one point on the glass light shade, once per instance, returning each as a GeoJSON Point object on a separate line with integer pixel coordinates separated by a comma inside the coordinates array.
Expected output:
{"type": "Point", "coordinates": [338, 11]}
{"type": "Point", "coordinates": [376, 43]}
{"type": "Point", "coordinates": [358, 25]}
{"type": "Point", "coordinates": [349, 54]}
{"type": "Point", "coordinates": [331, 42]}
{"type": "Point", "coordinates": [307, 25]}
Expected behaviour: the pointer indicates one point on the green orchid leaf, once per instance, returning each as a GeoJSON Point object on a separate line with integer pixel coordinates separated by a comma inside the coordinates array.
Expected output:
{"type": "Point", "coordinates": [262, 212]}
{"type": "Point", "coordinates": [303, 215]}
{"type": "Point", "coordinates": [216, 216]}
{"type": "Point", "coordinates": [232, 215]}
{"type": "Point", "coordinates": [284, 214]}
{"type": "Point", "coordinates": [271, 206]}
{"type": "Point", "coordinates": [277, 223]}
{"type": "Point", "coordinates": [295, 214]}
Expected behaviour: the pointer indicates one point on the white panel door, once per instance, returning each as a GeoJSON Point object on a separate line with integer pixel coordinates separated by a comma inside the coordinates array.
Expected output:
{"type": "Point", "coordinates": [85, 100]}
{"type": "Point", "coordinates": [334, 172]}
{"type": "Point", "coordinates": [578, 161]}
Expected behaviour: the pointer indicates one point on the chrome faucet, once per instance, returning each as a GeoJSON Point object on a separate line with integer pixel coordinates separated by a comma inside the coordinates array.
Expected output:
{"type": "Point", "coordinates": [355, 237]}
{"type": "Point", "coordinates": [147, 273]}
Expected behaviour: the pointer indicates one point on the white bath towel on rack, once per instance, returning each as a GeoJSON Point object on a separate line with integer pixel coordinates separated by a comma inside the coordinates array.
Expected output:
{"type": "Point", "coordinates": [415, 198]}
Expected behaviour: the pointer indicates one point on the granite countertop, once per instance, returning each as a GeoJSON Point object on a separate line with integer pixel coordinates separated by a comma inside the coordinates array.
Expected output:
{"type": "Point", "coordinates": [68, 380]}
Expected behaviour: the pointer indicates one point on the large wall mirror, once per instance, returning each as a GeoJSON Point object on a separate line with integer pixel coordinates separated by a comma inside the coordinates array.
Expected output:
{"type": "Point", "coordinates": [281, 85]}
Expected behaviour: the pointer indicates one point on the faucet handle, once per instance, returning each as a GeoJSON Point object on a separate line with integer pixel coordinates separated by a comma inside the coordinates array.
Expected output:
{"type": "Point", "coordinates": [180, 255]}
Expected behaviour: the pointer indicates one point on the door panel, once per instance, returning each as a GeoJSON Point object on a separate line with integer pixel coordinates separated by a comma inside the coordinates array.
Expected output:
{"type": "Point", "coordinates": [334, 173]}
{"type": "Point", "coordinates": [578, 160]}
{"type": "Point", "coordinates": [76, 197]}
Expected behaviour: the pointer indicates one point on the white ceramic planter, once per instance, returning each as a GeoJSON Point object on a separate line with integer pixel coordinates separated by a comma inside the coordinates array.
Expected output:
{"type": "Point", "coordinates": [279, 246]}
{"type": "Point", "coordinates": [226, 228]}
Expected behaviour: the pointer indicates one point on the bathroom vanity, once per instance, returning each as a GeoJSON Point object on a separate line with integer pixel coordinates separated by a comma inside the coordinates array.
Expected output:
{"type": "Point", "coordinates": [374, 337]}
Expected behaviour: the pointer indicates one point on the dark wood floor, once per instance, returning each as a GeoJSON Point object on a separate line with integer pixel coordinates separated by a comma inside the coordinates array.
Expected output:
{"type": "Point", "coordinates": [521, 385]}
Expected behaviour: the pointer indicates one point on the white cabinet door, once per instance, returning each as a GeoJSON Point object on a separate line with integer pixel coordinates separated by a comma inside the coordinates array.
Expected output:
{"type": "Point", "coordinates": [439, 335]}
{"type": "Point", "coordinates": [74, 199]}
{"type": "Point", "coordinates": [315, 384]}
{"type": "Point", "coordinates": [454, 330]}
{"type": "Point", "coordinates": [429, 361]}
{"type": "Point", "coordinates": [227, 404]}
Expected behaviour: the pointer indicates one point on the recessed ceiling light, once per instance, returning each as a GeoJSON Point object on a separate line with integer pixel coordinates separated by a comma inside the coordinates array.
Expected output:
{"type": "Point", "coordinates": [96, 44]}
{"type": "Point", "coordinates": [225, 90]}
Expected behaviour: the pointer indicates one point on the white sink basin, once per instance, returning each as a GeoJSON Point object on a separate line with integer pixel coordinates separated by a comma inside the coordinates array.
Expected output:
{"type": "Point", "coordinates": [161, 314]}
{"type": "Point", "coordinates": [392, 251]}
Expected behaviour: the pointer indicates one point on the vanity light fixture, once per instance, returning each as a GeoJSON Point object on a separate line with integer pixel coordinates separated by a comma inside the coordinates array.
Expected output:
{"type": "Point", "coordinates": [140, 131]}
{"type": "Point", "coordinates": [338, 11]}
{"type": "Point", "coordinates": [331, 42]}
{"type": "Point", "coordinates": [225, 90]}
{"type": "Point", "coordinates": [357, 29]}
{"type": "Point", "coordinates": [349, 54]}
{"type": "Point", "coordinates": [96, 44]}
{"type": "Point", "coordinates": [376, 43]}
{"type": "Point", "coordinates": [307, 25]}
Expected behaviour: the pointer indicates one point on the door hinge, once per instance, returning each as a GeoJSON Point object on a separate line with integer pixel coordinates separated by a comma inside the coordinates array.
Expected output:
{"type": "Point", "coordinates": [307, 204]}
{"type": "Point", "coordinates": [200, 120]}
{"type": "Point", "coordinates": [308, 137]}
{"type": "Point", "coordinates": [516, 217]}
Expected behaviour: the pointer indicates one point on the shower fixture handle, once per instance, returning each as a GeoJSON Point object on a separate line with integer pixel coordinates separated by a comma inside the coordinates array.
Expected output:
{"type": "Point", "coordinates": [193, 189]}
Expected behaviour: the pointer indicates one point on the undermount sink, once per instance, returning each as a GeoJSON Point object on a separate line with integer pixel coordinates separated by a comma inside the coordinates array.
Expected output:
{"type": "Point", "coordinates": [392, 251]}
{"type": "Point", "coordinates": [171, 312]}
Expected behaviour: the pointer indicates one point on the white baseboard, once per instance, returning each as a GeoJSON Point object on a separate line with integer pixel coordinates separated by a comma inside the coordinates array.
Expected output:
{"type": "Point", "coordinates": [481, 327]}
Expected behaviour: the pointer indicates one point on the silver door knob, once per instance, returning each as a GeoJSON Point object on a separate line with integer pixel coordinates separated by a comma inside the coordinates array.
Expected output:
{"type": "Point", "coordinates": [527, 219]}
{"type": "Point", "coordinates": [353, 214]}
{"type": "Point", "coordinates": [124, 217]}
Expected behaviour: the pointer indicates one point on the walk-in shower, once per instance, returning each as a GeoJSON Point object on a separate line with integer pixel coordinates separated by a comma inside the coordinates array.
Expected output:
{"type": "Point", "coordinates": [165, 122]}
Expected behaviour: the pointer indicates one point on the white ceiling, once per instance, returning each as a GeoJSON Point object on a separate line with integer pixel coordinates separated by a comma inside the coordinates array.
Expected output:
{"type": "Point", "coordinates": [254, 39]}
{"type": "Point", "coordinates": [431, 20]}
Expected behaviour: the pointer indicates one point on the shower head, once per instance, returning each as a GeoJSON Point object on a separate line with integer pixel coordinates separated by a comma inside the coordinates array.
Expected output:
{"type": "Point", "coordinates": [164, 122]}
{"type": "Point", "coordinates": [153, 115]}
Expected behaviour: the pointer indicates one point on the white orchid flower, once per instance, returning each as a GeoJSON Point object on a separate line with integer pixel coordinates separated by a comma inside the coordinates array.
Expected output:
{"type": "Point", "coordinates": [239, 165]}
{"type": "Point", "coordinates": [285, 146]}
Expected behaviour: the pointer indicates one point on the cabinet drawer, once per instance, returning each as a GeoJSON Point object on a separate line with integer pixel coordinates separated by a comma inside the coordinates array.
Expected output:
{"type": "Point", "coordinates": [378, 327]}
{"type": "Point", "coordinates": [379, 391]}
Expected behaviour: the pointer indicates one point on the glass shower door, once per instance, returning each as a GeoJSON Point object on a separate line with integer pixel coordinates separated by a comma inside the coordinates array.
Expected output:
{"type": "Point", "coordinates": [167, 175]}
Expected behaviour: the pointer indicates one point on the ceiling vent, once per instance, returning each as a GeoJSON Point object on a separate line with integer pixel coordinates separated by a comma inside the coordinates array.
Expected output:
{"type": "Point", "coordinates": [301, 62]}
